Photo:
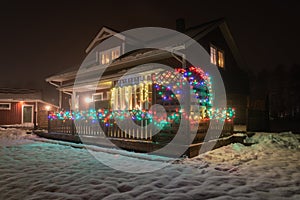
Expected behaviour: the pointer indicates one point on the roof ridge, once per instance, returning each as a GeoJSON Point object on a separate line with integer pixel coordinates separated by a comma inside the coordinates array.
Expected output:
{"type": "Point", "coordinates": [18, 90]}
{"type": "Point", "coordinates": [206, 23]}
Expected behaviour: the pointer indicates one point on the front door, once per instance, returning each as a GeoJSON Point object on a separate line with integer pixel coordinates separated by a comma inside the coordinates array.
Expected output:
{"type": "Point", "coordinates": [27, 114]}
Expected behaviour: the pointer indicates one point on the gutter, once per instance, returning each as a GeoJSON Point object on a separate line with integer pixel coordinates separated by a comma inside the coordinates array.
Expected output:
{"type": "Point", "coordinates": [53, 84]}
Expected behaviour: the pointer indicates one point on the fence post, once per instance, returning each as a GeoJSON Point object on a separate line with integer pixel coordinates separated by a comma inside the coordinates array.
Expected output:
{"type": "Point", "coordinates": [73, 131]}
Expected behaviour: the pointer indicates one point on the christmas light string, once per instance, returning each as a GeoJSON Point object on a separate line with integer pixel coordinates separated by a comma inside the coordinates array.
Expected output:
{"type": "Point", "coordinates": [168, 91]}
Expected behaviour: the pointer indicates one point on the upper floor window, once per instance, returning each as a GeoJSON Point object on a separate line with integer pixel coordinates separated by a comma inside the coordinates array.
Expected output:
{"type": "Point", "coordinates": [213, 55]}
{"type": "Point", "coordinates": [217, 56]}
{"type": "Point", "coordinates": [109, 55]}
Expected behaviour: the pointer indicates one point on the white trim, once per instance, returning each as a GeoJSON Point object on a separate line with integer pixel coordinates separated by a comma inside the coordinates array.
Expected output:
{"type": "Point", "coordinates": [9, 106]}
{"type": "Point", "coordinates": [108, 95]}
{"type": "Point", "coordinates": [148, 57]}
{"type": "Point", "coordinates": [99, 93]}
{"type": "Point", "coordinates": [32, 113]}
{"type": "Point", "coordinates": [100, 37]}
{"type": "Point", "coordinates": [29, 101]}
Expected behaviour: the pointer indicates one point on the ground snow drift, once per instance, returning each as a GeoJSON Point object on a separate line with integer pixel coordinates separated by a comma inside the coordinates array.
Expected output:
{"type": "Point", "coordinates": [12, 136]}
{"type": "Point", "coordinates": [268, 169]}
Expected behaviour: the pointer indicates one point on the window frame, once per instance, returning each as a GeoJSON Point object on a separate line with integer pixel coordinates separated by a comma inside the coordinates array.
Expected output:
{"type": "Point", "coordinates": [108, 54]}
{"type": "Point", "coordinates": [9, 106]}
{"type": "Point", "coordinates": [217, 51]}
{"type": "Point", "coordinates": [99, 93]}
{"type": "Point", "coordinates": [212, 47]}
{"type": "Point", "coordinates": [223, 54]}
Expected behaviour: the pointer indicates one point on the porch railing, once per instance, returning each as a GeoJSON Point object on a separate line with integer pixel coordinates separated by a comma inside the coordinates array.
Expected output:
{"type": "Point", "coordinates": [111, 129]}
{"type": "Point", "coordinates": [92, 127]}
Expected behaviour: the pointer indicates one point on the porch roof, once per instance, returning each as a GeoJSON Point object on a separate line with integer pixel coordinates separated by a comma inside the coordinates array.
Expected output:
{"type": "Point", "coordinates": [89, 82]}
{"type": "Point", "coordinates": [124, 62]}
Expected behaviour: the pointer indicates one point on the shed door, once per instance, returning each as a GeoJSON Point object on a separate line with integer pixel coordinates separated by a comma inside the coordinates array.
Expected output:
{"type": "Point", "coordinates": [27, 114]}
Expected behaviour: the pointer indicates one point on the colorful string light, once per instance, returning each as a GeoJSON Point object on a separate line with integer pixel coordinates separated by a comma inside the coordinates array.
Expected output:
{"type": "Point", "coordinates": [169, 87]}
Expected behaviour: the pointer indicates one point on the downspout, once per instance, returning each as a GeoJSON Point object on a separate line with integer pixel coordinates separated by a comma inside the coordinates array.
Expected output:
{"type": "Point", "coordinates": [56, 85]}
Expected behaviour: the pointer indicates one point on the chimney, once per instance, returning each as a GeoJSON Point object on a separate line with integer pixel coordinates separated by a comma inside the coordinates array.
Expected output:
{"type": "Point", "coordinates": [180, 25]}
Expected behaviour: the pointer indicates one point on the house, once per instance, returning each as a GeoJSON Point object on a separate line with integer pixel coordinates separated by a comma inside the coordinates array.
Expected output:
{"type": "Point", "coordinates": [23, 108]}
{"type": "Point", "coordinates": [121, 92]}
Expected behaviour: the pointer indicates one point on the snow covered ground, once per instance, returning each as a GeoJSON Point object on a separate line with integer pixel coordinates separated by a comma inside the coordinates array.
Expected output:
{"type": "Point", "coordinates": [269, 169]}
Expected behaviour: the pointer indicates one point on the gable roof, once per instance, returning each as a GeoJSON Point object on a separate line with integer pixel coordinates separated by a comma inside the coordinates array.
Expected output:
{"type": "Point", "coordinates": [196, 32]}
{"type": "Point", "coordinates": [203, 28]}
{"type": "Point", "coordinates": [103, 34]}
{"type": "Point", "coordinates": [20, 94]}
{"type": "Point", "coordinates": [16, 94]}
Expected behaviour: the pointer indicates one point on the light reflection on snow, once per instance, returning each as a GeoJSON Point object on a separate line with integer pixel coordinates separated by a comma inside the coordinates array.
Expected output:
{"type": "Point", "coordinates": [269, 169]}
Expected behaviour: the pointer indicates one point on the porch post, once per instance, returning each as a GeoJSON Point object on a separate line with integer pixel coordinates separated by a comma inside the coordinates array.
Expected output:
{"type": "Point", "coordinates": [60, 97]}
{"type": "Point", "coordinates": [73, 101]}
{"type": "Point", "coordinates": [73, 107]}
{"type": "Point", "coordinates": [49, 122]}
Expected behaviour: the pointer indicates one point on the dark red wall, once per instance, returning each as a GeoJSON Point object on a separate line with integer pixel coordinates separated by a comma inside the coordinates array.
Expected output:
{"type": "Point", "coordinates": [12, 116]}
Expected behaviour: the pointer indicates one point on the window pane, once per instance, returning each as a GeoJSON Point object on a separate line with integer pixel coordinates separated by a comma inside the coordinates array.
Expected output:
{"type": "Point", "coordinates": [98, 97]}
{"type": "Point", "coordinates": [213, 55]}
{"type": "Point", "coordinates": [115, 54]}
{"type": "Point", "coordinates": [105, 58]}
{"type": "Point", "coordinates": [4, 106]}
{"type": "Point", "coordinates": [220, 59]}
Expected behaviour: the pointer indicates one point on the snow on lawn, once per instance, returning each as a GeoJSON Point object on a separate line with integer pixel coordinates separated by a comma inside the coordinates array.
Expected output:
{"type": "Point", "coordinates": [269, 169]}
{"type": "Point", "coordinates": [12, 136]}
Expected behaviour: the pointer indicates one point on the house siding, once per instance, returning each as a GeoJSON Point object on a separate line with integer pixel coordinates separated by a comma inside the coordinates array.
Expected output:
{"type": "Point", "coordinates": [42, 115]}
{"type": "Point", "coordinates": [12, 116]}
{"type": "Point", "coordinates": [235, 79]}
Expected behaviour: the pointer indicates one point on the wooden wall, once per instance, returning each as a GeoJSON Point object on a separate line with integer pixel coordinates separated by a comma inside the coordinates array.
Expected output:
{"type": "Point", "coordinates": [12, 116]}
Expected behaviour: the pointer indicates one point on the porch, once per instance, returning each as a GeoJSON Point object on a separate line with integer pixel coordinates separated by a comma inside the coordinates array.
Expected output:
{"type": "Point", "coordinates": [137, 139]}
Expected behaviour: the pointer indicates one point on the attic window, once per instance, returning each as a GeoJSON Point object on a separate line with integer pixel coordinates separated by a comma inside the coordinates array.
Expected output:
{"type": "Point", "coordinates": [217, 56]}
{"type": "Point", "coordinates": [109, 55]}
{"type": "Point", "coordinates": [5, 106]}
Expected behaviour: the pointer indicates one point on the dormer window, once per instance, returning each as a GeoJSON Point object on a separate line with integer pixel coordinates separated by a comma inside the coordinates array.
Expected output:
{"type": "Point", "coordinates": [109, 55]}
{"type": "Point", "coordinates": [217, 56]}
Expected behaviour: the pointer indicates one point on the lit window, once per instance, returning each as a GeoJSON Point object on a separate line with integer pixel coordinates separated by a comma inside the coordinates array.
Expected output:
{"type": "Point", "coordinates": [115, 54]}
{"type": "Point", "coordinates": [213, 55]}
{"type": "Point", "coordinates": [217, 56]}
{"type": "Point", "coordinates": [109, 55]}
{"type": "Point", "coordinates": [105, 58]}
{"type": "Point", "coordinates": [220, 59]}
{"type": "Point", "coordinates": [5, 106]}
{"type": "Point", "coordinates": [132, 97]}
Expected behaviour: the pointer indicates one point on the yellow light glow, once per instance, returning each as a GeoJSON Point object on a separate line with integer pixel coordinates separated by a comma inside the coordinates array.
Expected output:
{"type": "Point", "coordinates": [47, 107]}
{"type": "Point", "coordinates": [88, 100]}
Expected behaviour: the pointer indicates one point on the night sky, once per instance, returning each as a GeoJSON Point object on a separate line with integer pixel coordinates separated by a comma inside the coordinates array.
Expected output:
{"type": "Point", "coordinates": [41, 38]}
